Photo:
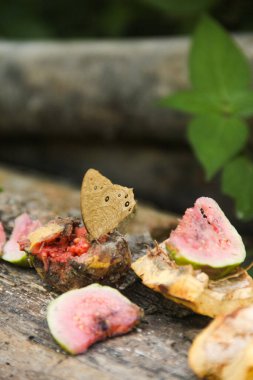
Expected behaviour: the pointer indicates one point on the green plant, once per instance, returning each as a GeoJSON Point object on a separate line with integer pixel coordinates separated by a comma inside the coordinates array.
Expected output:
{"type": "Point", "coordinates": [220, 100]}
{"type": "Point", "coordinates": [181, 7]}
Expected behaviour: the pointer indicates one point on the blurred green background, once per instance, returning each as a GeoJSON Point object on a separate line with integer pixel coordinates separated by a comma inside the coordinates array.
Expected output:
{"type": "Point", "coordinates": [67, 19]}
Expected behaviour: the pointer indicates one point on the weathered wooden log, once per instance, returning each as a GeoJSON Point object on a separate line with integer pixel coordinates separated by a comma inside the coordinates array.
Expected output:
{"type": "Point", "coordinates": [106, 89]}
{"type": "Point", "coordinates": [158, 348]}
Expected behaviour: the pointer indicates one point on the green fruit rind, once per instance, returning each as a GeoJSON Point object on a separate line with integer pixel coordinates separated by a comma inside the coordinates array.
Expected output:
{"type": "Point", "coordinates": [214, 272]}
{"type": "Point", "coordinates": [20, 259]}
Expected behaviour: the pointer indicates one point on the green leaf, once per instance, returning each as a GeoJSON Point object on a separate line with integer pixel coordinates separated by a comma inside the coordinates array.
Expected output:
{"type": "Point", "coordinates": [197, 102]}
{"type": "Point", "coordinates": [194, 102]}
{"type": "Point", "coordinates": [220, 76]}
{"type": "Point", "coordinates": [216, 139]}
{"type": "Point", "coordinates": [237, 182]}
{"type": "Point", "coordinates": [242, 103]}
{"type": "Point", "coordinates": [216, 62]}
{"type": "Point", "coordinates": [181, 7]}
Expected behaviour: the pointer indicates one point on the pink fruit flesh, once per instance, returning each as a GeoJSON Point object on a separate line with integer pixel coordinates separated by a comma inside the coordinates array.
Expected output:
{"type": "Point", "coordinates": [79, 318]}
{"type": "Point", "coordinates": [205, 236]}
{"type": "Point", "coordinates": [22, 227]}
{"type": "Point", "coordinates": [2, 237]}
{"type": "Point", "coordinates": [63, 248]}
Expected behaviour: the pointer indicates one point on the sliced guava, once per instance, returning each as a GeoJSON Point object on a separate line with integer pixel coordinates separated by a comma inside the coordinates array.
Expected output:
{"type": "Point", "coordinates": [79, 318]}
{"type": "Point", "coordinates": [23, 225]}
{"type": "Point", "coordinates": [205, 237]}
{"type": "Point", "coordinates": [2, 238]}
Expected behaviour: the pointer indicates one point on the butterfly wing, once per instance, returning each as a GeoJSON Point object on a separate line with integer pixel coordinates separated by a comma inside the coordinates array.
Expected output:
{"type": "Point", "coordinates": [93, 181]}
{"type": "Point", "coordinates": [103, 204]}
{"type": "Point", "coordinates": [110, 207]}
{"type": "Point", "coordinates": [92, 187]}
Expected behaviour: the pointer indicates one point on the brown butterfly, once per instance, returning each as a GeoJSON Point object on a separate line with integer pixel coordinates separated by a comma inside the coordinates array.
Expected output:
{"type": "Point", "coordinates": [103, 204]}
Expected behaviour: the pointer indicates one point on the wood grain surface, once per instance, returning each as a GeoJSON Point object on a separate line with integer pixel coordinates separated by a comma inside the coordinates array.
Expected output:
{"type": "Point", "coordinates": [157, 349]}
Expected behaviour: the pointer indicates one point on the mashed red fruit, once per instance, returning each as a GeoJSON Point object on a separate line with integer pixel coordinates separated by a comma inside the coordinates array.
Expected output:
{"type": "Point", "coordinates": [79, 247]}
{"type": "Point", "coordinates": [65, 247]}
{"type": "Point", "coordinates": [66, 259]}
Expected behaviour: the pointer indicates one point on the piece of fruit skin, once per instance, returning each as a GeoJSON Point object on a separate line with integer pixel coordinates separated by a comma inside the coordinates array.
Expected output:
{"type": "Point", "coordinates": [2, 238]}
{"type": "Point", "coordinates": [224, 349]}
{"type": "Point", "coordinates": [205, 239]}
{"type": "Point", "coordinates": [79, 318]}
{"type": "Point", "coordinates": [23, 225]}
{"type": "Point", "coordinates": [44, 233]}
{"type": "Point", "coordinates": [193, 288]}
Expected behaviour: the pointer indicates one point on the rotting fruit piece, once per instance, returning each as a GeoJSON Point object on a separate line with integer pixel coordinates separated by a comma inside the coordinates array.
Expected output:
{"type": "Point", "coordinates": [192, 266]}
{"type": "Point", "coordinates": [65, 258]}
{"type": "Point", "coordinates": [23, 225]}
{"type": "Point", "coordinates": [205, 238]}
{"type": "Point", "coordinates": [191, 287]}
{"type": "Point", "coordinates": [224, 350]}
{"type": "Point", "coordinates": [79, 318]}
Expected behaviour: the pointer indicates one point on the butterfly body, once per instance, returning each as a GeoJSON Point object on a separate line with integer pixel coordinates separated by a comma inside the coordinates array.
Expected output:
{"type": "Point", "coordinates": [103, 204]}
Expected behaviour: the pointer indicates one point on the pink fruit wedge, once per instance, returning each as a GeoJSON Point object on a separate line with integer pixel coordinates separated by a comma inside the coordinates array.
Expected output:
{"type": "Point", "coordinates": [81, 317]}
{"type": "Point", "coordinates": [205, 237]}
{"type": "Point", "coordinates": [22, 227]}
{"type": "Point", "coordinates": [2, 238]}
